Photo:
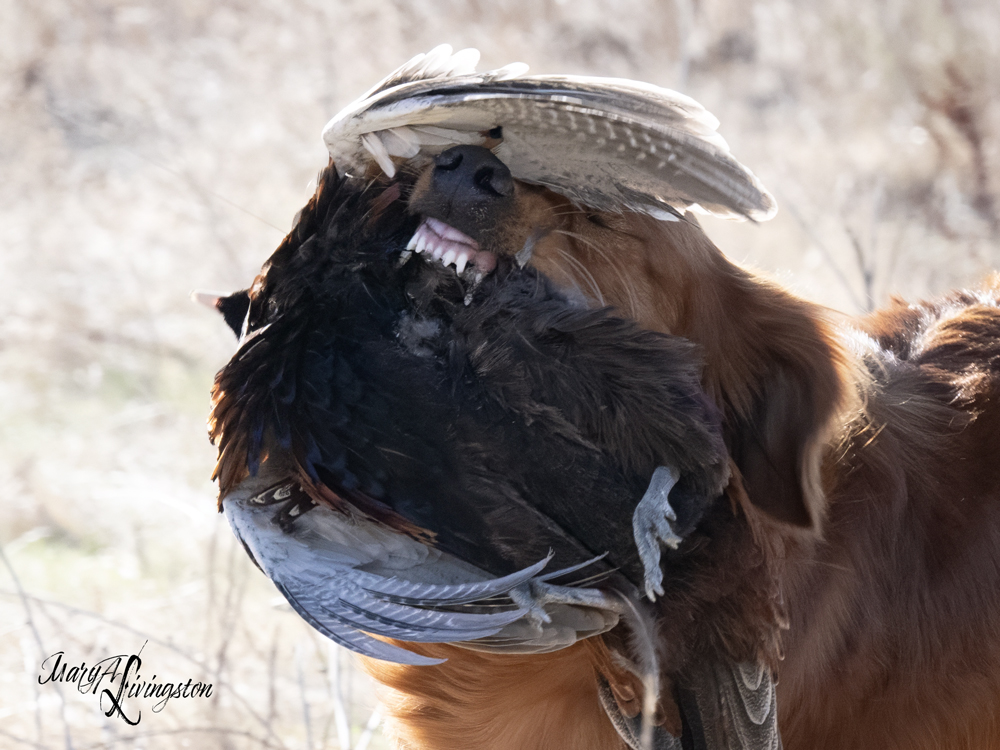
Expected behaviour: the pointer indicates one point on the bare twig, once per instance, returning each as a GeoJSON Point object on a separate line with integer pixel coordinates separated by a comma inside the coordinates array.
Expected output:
{"type": "Point", "coordinates": [227, 620]}
{"type": "Point", "coordinates": [685, 23]}
{"type": "Point", "coordinates": [210, 566]}
{"type": "Point", "coordinates": [337, 698]}
{"type": "Point", "coordinates": [865, 268]}
{"type": "Point", "coordinates": [366, 736]}
{"type": "Point", "coordinates": [824, 252]}
{"type": "Point", "coordinates": [894, 255]}
{"type": "Point", "coordinates": [272, 692]}
{"type": "Point", "coordinates": [29, 661]}
{"type": "Point", "coordinates": [302, 696]}
{"type": "Point", "coordinates": [67, 736]}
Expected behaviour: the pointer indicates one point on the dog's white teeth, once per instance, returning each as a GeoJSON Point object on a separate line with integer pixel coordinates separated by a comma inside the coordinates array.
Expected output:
{"type": "Point", "coordinates": [446, 244]}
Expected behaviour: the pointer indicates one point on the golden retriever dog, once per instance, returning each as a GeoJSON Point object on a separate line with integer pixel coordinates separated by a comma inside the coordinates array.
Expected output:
{"type": "Point", "coordinates": [853, 556]}
{"type": "Point", "coordinates": [866, 456]}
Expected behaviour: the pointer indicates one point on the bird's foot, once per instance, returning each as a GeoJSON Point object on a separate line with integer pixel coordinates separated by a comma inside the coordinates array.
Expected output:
{"type": "Point", "coordinates": [543, 593]}
{"type": "Point", "coordinates": [652, 524]}
{"type": "Point", "coordinates": [524, 597]}
{"type": "Point", "coordinates": [533, 595]}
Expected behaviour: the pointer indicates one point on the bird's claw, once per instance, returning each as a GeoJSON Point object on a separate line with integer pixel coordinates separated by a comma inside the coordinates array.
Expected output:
{"type": "Point", "coordinates": [525, 598]}
{"type": "Point", "coordinates": [652, 524]}
{"type": "Point", "coordinates": [533, 595]}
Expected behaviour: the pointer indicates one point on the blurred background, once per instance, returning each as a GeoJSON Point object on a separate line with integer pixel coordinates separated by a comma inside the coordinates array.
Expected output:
{"type": "Point", "coordinates": [150, 148]}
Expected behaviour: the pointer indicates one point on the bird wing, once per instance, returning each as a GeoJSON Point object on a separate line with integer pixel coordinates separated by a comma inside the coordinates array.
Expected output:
{"type": "Point", "coordinates": [607, 143]}
{"type": "Point", "coordinates": [349, 576]}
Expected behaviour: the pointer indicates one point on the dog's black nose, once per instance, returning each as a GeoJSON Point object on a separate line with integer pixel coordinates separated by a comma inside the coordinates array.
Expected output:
{"type": "Point", "coordinates": [470, 189]}
{"type": "Point", "coordinates": [473, 174]}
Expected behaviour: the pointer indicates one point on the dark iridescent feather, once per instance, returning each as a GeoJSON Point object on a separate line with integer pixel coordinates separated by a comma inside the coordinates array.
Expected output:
{"type": "Point", "coordinates": [521, 411]}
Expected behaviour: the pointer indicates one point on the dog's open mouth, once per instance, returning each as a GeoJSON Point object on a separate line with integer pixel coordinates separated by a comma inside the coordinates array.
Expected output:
{"type": "Point", "coordinates": [450, 246]}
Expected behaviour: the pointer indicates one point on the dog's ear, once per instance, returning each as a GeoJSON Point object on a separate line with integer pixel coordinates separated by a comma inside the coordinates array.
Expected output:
{"type": "Point", "coordinates": [778, 447]}
{"type": "Point", "coordinates": [778, 435]}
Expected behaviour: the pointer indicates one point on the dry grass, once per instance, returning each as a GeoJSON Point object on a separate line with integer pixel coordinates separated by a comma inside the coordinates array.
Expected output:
{"type": "Point", "coordinates": [148, 148]}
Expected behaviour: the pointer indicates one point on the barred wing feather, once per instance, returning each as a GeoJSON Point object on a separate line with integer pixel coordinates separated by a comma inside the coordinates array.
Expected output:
{"type": "Point", "coordinates": [607, 143]}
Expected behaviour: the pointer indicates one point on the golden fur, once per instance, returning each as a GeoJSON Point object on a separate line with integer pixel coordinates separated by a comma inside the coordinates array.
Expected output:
{"type": "Point", "coordinates": [492, 701]}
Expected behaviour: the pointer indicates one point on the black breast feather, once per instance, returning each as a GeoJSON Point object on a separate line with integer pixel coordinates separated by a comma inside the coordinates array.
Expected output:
{"type": "Point", "coordinates": [502, 419]}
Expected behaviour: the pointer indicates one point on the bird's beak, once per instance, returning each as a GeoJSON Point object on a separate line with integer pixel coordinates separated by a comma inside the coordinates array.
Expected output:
{"type": "Point", "coordinates": [208, 298]}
